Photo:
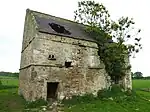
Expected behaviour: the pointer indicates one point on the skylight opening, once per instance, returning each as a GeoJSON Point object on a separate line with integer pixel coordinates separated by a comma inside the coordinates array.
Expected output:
{"type": "Point", "coordinates": [59, 29]}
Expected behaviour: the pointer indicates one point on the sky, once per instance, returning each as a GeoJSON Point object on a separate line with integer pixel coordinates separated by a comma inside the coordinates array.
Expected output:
{"type": "Point", "coordinates": [12, 24]}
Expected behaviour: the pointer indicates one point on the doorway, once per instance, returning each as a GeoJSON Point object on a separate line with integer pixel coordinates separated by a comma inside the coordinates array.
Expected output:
{"type": "Point", "coordinates": [52, 90]}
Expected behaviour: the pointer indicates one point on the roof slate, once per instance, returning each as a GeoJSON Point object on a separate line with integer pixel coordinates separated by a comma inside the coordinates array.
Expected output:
{"type": "Point", "coordinates": [77, 30]}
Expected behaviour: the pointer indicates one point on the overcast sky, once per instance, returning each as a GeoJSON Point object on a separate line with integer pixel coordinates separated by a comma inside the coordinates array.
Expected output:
{"type": "Point", "coordinates": [12, 15]}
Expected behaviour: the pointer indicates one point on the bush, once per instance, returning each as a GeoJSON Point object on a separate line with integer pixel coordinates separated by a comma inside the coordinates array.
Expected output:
{"type": "Point", "coordinates": [102, 93]}
{"type": "Point", "coordinates": [116, 94]}
{"type": "Point", "coordinates": [114, 91]}
{"type": "Point", "coordinates": [35, 104]}
{"type": "Point", "coordinates": [87, 98]}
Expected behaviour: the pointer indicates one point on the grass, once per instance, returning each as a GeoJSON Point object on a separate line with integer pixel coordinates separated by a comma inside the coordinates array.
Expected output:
{"type": "Point", "coordinates": [141, 83]}
{"type": "Point", "coordinates": [11, 102]}
{"type": "Point", "coordinates": [110, 106]}
{"type": "Point", "coordinates": [9, 99]}
{"type": "Point", "coordinates": [139, 103]}
{"type": "Point", "coordinates": [9, 81]}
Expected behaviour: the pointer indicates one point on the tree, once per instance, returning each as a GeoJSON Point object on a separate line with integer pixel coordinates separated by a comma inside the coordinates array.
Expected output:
{"type": "Point", "coordinates": [138, 75]}
{"type": "Point", "coordinates": [132, 74]}
{"type": "Point", "coordinates": [100, 26]}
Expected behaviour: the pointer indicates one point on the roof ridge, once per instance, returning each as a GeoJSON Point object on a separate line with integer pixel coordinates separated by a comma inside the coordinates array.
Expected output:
{"type": "Point", "coordinates": [77, 30]}
{"type": "Point", "coordinates": [54, 16]}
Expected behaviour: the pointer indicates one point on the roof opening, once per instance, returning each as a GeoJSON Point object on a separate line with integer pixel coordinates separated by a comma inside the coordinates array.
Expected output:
{"type": "Point", "coordinates": [59, 29]}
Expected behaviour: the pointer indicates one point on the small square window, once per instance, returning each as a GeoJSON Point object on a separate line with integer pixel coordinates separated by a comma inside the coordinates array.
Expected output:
{"type": "Point", "coordinates": [68, 64]}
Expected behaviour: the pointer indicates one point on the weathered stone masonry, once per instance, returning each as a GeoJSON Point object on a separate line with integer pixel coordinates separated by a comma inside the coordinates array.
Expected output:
{"type": "Point", "coordinates": [55, 65]}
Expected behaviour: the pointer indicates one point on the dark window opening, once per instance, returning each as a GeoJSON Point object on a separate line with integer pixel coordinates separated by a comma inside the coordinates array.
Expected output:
{"type": "Point", "coordinates": [52, 90]}
{"type": "Point", "coordinates": [51, 57]}
{"type": "Point", "coordinates": [67, 64]}
{"type": "Point", "coordinates": [59, 29]}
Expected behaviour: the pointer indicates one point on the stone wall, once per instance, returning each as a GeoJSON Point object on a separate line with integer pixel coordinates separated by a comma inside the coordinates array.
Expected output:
{"type": "Point", "coordinates": [127, 80]}
{"type": "Point", "coordinates": [26, 54]}
{"type": "Point", "coordinates": [86, 74]}
{"type": "Point", "coordinates": [29, 34]}
{"type": "Point", "coordinates": [71, 81]}
{"type": "Point", "coordinates": [29, 29]}
{"type": "Point", "coordinates": [24, 85]}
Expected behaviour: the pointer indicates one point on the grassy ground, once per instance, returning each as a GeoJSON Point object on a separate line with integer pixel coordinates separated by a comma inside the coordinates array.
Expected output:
{"type": "Point", "coordinates": [139, 102]}
{"type": "Point", "coordinates": [9, 99]}
{"type": "Point", "coordinates": [111, 106]}
{"type": "Point", "coordinates": [141, 83]}
{"type": "Point", "coordinates": [9, 81]}
{"type": "Point", "coordinates": [11, 102]}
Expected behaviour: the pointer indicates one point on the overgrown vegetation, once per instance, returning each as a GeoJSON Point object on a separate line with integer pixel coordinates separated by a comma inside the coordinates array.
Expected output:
{"type": "Point", "coordinates": [36, 104]}
{"type": "Point", "coordinates": [116, 94]}
{"type": "Point", "coordinates": [100, 26]}
{"type": "Point", "coordinates": [114, 100]}
{"type": "Point", "coordinates": [121, 105]}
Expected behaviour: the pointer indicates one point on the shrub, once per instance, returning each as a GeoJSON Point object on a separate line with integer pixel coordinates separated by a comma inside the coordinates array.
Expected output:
{"type": "Point", "coordinates": [114, 91]}
{"type": "Point", "coordinates": [79, 99]}
{"type": "Point", "coordinates": [116, 94]}
{"type": "Point", "coordinates": [35, 104]}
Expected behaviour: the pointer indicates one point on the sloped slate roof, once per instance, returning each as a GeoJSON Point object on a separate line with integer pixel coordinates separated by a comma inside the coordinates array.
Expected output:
{"type": "Point", "coordinates": [76, 30]}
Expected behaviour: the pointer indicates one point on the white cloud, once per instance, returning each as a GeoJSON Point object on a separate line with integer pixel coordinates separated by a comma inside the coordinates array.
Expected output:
{"type": "Point", "coordinates": [12, 23]}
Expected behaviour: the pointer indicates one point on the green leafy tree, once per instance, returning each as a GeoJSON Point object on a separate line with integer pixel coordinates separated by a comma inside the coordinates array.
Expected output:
{"type": "Point", "coordinates": [125, 34]}
{"type": "Point", "coordinates": [100, 26]}
{"type": "Point", "coordinates": [138, 75]}
{"type": "Point", "coordinates": [132, 74]}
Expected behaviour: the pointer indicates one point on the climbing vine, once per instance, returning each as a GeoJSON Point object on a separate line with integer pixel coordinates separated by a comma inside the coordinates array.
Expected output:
{"type": "Point", "coordinates": [117, 40]}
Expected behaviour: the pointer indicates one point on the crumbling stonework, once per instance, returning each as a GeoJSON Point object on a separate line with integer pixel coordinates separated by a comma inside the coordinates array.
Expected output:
{"type": "Point", "coordinates": [127, 79]}
{"type": "Point", "coordinates": [58, 65]}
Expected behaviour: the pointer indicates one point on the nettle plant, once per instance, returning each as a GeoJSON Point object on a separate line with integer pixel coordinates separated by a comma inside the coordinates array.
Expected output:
{"type": "Point", "coordinates": [117, 40]}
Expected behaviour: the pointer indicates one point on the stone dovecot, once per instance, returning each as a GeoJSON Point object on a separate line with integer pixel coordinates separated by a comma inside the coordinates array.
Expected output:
{"type": "Point", "coordinates": [58, 59]}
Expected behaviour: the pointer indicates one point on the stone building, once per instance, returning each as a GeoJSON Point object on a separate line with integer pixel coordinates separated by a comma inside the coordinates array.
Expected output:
{"type": "Point", "coordinates": [59, 59]}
